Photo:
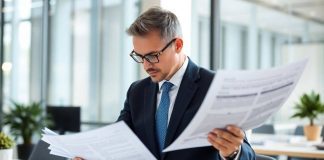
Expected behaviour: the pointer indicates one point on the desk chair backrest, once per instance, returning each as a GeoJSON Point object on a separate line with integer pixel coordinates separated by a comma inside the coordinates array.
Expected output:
{"type": "Point", "coordinates": [263, 157]}
{"type": "Point", "coordinates": [299, 130]}
{"type": "Point", "coordinates": [41, 152]}
{"type": "Point", "coordinates": [65, 118]}
{"type": "Point", "coordinates": [264, 129]}
{"type": "Point", "coordinates": [322, 134]}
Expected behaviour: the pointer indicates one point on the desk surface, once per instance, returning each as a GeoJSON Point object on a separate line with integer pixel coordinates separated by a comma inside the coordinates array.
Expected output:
{"type": "Point", "coordinates": [293, 146]}
{"type": "Point", "coordinates": [289, 151]}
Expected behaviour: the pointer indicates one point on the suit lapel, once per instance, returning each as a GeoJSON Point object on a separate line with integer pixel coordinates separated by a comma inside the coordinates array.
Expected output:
{"type": "Point", "coordinates": [150, 106]}
{"type": "Point", "coordinates": [186, 92]}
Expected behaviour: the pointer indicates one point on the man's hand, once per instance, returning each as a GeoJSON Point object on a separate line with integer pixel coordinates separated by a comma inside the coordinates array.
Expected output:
{"type": "Point", "coordinates": [77, 158]}
{"type": "Point", "coordinates": [226, 141]}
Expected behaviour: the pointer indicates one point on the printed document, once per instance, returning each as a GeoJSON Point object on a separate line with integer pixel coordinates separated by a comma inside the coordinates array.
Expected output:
{"type": "Point", "coordinates": [113, 142]}
{"type": "Point", "coordinates": [243, 98]}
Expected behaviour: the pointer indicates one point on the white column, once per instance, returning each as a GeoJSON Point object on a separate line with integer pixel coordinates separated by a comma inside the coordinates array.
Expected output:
{"type": "Point", "coordinates": [252, 47]}
{"type": "Point", "coordinates": [20, 45]}
{"type": "Point", "coordinates": [233, 47]}
{"type": "Point", "coordinates": [60, 83]}
{"type": "Point", "coordinates": [266, 49]}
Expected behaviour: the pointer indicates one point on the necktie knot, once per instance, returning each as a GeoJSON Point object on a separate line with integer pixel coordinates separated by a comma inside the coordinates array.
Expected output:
{"type": "Point", "coordinates": [166, 86]}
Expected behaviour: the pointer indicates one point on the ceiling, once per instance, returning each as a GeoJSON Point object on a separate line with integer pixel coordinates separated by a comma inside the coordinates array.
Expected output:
{"type": "Point", "coordinates": [308, 9]}
{"type": "Point", "coordinates": [302, 18]}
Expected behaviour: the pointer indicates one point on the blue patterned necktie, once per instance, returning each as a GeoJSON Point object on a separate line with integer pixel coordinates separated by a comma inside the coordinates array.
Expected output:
{"type": "Point", "coordinates": [162, 114]}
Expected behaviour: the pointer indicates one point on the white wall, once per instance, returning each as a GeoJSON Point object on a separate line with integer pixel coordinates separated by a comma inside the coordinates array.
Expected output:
{"type": "Point", "coordinates": [311, 79]}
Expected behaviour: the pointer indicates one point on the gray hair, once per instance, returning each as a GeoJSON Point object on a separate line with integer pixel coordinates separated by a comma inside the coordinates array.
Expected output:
{"type": "Point", "coordinates": [156, 19]}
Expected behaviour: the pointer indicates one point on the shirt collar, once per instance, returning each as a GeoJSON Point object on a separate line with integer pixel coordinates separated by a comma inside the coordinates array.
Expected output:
{"type": "Point", "coordinates": [177, 77]}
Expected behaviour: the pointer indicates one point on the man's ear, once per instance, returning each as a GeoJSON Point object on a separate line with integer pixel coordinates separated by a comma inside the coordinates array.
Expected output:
{"type": "Point", "coordinates": [178, 45]}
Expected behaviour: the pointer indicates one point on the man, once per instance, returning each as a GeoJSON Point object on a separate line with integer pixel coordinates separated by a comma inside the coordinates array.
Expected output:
{"type": "Point", "coordinates": [160, 107]}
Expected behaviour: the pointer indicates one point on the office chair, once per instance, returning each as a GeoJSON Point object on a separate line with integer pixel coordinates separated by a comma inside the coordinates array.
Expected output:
{"type": "Point", "coordinates": [41, 152]}
{"type": "Point", "coordinates": [263, 157]}
{"type": "Point", "coordinates": [299, 130]}
{"type": "Point", "coordinates": [65, 118]}
{"type": "Point", "coordinates": [264, 129]}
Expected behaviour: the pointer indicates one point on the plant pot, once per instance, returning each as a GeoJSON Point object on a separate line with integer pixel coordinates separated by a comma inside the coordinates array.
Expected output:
{"type": "Point", "coordinates": [24, 151]}
{"type": "Point", "coordinates": [312, 133]}
{"type": "Point", "coordinates": [6, 154]}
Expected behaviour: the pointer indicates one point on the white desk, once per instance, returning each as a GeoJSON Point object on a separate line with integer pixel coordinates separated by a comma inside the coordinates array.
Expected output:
{"type": "Point", "coordinates": [294, 146]}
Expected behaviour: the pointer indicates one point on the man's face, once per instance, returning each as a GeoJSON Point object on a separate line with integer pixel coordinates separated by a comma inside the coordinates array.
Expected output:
{"type": "Point", "coordinates": [168, 59]}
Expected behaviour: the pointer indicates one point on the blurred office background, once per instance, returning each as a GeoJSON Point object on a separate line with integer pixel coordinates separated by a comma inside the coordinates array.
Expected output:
{"type": "Point", "coordinates": [76, 52]}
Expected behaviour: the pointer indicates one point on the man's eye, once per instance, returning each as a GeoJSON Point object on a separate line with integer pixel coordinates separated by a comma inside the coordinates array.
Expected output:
{"type": "Point", "coordinates": [150, 57]}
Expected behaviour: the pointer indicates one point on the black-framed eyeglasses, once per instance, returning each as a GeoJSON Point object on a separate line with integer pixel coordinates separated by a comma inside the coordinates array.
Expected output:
{"type": "Point", "coordinates": [152, 57]}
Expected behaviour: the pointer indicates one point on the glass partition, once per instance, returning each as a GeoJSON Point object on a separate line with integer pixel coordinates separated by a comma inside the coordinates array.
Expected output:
{"type": "Point", "coordinates": [264, 34]}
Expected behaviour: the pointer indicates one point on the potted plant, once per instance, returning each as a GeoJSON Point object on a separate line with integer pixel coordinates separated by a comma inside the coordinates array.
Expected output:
{"type": "Point", "coordinates": [25, 121]}
{"type": "Point", "coordinates": [6, 147]}
{"type": "Point", "coordinates": [310, 107]}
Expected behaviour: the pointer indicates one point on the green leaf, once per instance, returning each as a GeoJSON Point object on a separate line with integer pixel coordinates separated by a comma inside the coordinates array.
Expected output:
{"type": "Point", "coordinates": [26, 120]}
{"type": "Point", "coordinates": [309, 106]}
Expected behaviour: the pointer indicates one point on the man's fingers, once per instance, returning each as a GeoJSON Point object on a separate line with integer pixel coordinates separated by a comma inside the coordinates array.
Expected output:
{"type": "Point", "coordinates": [217, 142]}
{"type": "Point", "coordinates": [226, 141]}
{"type": "Point", "coordinates": [224, 146]}
{"type": "Point", "coordinates": [229, 136]}
{"type": "Point", "coordinates": [235, 131]}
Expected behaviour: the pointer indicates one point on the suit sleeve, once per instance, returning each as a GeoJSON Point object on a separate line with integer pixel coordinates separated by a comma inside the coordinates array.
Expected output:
{"type": "Point", "coordinates": [246, 151]}
{"type": "Point", "coordinates": [125, 114]}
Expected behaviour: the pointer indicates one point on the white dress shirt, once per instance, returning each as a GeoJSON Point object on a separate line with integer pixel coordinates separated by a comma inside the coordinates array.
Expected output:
{"type": "Point", "coordinates": [176, 81]}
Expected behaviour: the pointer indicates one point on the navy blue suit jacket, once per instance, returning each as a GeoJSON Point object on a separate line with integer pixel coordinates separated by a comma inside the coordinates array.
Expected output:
{"type": "Point", "coordinates": [140, 107]}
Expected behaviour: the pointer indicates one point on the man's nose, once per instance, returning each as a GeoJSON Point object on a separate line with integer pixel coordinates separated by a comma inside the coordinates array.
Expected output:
{"type": "Point", "coordinates": [146, 63]}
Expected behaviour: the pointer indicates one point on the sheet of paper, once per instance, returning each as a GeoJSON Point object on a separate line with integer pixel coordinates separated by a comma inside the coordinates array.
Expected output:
{"type": "Point", "coordinates": [49, 132]}
{"type": "Point", "coordinates": [113, 142]}
{"type": "Point", "coordinates": [243, 98]}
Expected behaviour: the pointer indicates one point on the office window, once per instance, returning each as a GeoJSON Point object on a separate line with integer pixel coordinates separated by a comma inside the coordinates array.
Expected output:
{"type": "Point", "coordinates": [118, 69]}
{"type": "Point", "coordinates": [264, 34]}
{"type": "Point", "coordinates": [19, 67]}
{"type": "Point", "coordinates": [89, 64]}
{"type": "Point", "coordinates": [194, 17]}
